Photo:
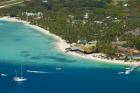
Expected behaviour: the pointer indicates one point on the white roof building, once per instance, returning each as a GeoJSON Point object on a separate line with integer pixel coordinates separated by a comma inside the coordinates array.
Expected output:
{"type": "Point", "coordinates": [98, 22]}
{"type": "Point", "coordinates": [86, 16]}
{"type": "Point", "coordinates": [34, 14]}
{"type": "Point", "coordinates": [125, 5]}
{"type": "Point", "coordinates": [45, 1]}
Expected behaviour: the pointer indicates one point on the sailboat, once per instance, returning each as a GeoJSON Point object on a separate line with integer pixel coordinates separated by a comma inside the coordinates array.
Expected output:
{"type": "Point", "coordinates": [21, 78]}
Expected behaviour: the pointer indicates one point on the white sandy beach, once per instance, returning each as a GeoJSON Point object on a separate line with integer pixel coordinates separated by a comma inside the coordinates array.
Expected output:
{"type": "Point", "coordinates": [63, 45]}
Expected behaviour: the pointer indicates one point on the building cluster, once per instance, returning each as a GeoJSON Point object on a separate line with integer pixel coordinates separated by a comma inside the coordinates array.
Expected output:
{"type": "Point", "coordinates": [122, 53]}
{"type": "Point", "coordinates": [126, 53]}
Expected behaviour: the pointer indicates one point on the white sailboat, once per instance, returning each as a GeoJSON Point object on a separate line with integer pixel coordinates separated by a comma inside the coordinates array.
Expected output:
{"type": "Point", "coordinates": [21, 78]}
{"type": "Point", "coordinates": [3, 75]}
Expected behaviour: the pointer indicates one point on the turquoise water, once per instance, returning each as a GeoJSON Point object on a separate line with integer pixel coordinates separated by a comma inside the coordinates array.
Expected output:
{"type": "Point", "coordinates": [20, 44]}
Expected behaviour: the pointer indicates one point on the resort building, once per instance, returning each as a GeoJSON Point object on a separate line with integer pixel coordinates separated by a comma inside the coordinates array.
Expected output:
{"type": "Point", "coordinates": [86, 16]}
{"type": "Point", "coordinates": [131, 51]}
{"type": "Point", "coordinates": [34, 14]}
{"type": "Point", "coordinates": [98, 22]}
{"type": "Point", "coordinates": [125, 53]}
{"type": "Point", "coordinates": [84, 46]}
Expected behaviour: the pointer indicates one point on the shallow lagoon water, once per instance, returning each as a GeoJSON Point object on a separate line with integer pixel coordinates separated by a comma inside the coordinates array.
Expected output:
{"type": "Point", "coordinates": [20, 44]}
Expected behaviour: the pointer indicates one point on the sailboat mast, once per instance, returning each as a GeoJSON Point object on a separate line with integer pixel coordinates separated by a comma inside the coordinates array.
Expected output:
{"type": "Point", "coordinates": [21, 71]}
{"type": "Point", "coordinates": [16, 72]}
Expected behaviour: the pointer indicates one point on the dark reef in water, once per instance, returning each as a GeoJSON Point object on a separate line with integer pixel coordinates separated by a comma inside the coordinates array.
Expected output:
{"type": "Point", "coordinates": [60, 59]}
{"type": "Point", "coordinates": [57, 59]}
{"type": "Point", "coordinates": [18, 39]}
{"type": "Point", "coordinates": [36, 57]}
{"type": "Point", "coordinates": [25, 53]}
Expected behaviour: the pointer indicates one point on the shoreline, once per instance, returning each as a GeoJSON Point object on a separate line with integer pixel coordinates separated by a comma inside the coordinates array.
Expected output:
{"type": "Point", "coordinates": [63, 45]}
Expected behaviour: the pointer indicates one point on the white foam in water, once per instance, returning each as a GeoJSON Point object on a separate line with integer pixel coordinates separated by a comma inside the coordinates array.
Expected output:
{"type": "Point", "coordinates": [39, 72]}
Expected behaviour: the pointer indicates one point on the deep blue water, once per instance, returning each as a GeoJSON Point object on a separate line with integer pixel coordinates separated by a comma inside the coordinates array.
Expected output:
{"type": "Point", "coordinates": [20, 44]}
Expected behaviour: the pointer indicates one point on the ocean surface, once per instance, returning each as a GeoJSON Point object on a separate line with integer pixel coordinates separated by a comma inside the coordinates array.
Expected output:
{"type": "Point", "coordinates": [59, 72]}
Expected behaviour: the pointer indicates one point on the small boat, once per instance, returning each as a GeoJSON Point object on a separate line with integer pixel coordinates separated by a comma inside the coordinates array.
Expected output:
{"type": "Point", "coordinates": [59, 68]}
{"type": "Point", "coordinates": [21, 78]}
{"type": "Point", "coordinates": [129, 71]}
{"type": "Point", "coordinates": [4, 75]}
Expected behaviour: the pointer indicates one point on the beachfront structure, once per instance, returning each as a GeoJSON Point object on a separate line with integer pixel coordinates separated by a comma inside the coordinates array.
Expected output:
{"type": "Point", "coordinates": [131, 51]}
{"type": "Point", "coordinates": [126, 53]}
{"type": "Point", "coordinates": [84, 46]}
{"type": "Point", "coordinates": [88, 48]}
{"type": "Point", "coordinates": [119, 46]}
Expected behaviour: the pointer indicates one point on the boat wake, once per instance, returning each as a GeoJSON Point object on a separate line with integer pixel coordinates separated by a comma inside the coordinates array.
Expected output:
{"type": "Point", "coordinates": [39, 72]}
{"type": "Point", "coordinates": [128, 71]}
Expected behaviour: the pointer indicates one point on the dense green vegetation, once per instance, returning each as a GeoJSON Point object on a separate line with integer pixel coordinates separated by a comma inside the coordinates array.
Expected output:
{"type": "Point", "coordinates": [107, 20]}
